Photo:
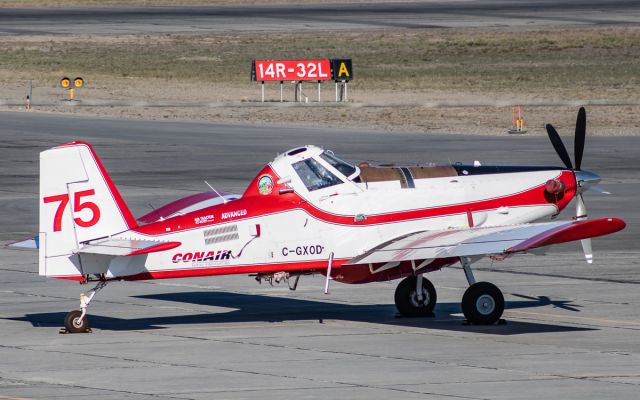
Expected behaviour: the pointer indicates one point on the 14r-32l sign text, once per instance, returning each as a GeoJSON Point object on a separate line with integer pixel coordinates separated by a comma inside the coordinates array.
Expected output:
{"type": "Point", "coordinates": [293, 70]}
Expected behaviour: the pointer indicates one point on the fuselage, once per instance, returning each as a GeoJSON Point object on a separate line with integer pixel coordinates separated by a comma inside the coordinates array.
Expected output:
{"type": "Point", "coordinates": [300, 209]}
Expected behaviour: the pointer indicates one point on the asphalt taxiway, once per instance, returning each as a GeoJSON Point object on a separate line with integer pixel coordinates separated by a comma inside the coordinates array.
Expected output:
{"type": "Point", "coordinates": [572, 332]}
{"type": "Point", "coordinates": [317, 17]}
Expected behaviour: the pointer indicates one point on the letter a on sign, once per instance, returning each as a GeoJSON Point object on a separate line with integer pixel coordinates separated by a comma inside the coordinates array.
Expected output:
{"type": "Point", "coordinates": [341, 69]}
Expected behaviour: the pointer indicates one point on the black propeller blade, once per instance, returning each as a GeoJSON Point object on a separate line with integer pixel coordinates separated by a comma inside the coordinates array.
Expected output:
{"type": "Point", "coordinates": [559, 146]}
{"type": "Point", "coordinates": [581, 128]}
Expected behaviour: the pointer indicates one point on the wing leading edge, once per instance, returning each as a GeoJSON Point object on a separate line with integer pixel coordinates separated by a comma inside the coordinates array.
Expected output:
{"type": "Point", "coordinates": [485, 241]}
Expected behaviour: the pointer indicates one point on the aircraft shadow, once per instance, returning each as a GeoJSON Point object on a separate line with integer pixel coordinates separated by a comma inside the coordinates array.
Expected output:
{"type": "Point", "coordinates": [259, 308]}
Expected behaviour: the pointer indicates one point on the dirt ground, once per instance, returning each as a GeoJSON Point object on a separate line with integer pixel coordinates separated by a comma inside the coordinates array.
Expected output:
{"type": "Point", "coordinates": [434, 81]}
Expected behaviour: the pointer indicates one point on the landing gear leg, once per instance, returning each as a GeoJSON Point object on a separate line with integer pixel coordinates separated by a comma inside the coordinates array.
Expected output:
{"type": "Point", "coordinates": [415, 297]}
{"type": "Point", "coordinates": [77, 321]}
{"type": "Point", "coordinates": [483, 302]}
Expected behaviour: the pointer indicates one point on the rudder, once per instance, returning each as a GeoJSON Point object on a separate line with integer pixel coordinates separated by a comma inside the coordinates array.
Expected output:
{"type": "Point", "coordinates": [78, 202]}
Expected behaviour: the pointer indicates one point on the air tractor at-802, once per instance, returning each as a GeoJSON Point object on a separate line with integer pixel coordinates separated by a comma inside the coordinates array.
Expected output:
{"type": "Point", "coordinates": [310, 212]}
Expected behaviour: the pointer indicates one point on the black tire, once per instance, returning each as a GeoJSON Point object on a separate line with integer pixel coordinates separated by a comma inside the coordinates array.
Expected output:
{"type": "Point", "coordinates": [73, 323]}
{"type": "Point", "coordinates": [407, 300]}
{"type": "Point", "coordinates": [483, 303]}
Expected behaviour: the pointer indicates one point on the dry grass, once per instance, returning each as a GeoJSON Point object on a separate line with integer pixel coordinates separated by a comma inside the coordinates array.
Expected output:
{"type": "Point", "coordinates": [406, 69]}
{"type": "Point", "coordinates": [577, 63]}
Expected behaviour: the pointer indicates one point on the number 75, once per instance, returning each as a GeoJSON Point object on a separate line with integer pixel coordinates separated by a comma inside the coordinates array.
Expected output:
{"type": "Point", "coordinates": [78, 206]}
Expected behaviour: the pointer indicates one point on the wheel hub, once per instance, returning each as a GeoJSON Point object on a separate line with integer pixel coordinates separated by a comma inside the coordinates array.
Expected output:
{"type": "Point", "coordinates": [77, 322]}
{"type": "Point", "coordinates": [414, 298]}
{"type": "Point", "coordinates": [485, 304]}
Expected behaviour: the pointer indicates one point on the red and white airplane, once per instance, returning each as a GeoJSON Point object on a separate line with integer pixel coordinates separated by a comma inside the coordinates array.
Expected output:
{"type": "Point", "coordinates": [310, 212]}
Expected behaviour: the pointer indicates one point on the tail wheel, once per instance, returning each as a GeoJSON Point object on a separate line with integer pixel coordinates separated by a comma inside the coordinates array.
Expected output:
{"type": "Point", "coordinates": [408, 302]}
{"type": "Point", "coordinates": [483, 303]}
{"type": "Point", "coordinates": [74, 323]}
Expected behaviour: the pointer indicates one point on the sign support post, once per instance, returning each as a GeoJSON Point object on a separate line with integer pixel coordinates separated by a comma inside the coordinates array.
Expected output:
{"type": "Point", "coordinates": [30, 95]}
{"type": "Point", "coordinates": [346, 94]}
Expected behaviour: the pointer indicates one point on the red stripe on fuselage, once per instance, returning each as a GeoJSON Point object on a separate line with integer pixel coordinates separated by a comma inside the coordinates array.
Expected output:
{"type": "Point", "coordinates": [350, 274]}
{"type": "Point", "coordinates": [259, 206]}
{"type": "Point", "coordinates": [175, 206]}
{"type": "Point", "coordinates": [316, 265]}
{"type": "Point", "coordinates": [77, 278]}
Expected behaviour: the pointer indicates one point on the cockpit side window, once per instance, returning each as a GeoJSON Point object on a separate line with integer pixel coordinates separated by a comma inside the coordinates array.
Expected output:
{"type": "Point", "coordinates": [314, 175]}
{"type": "Point", "coordinates": [345, 168]}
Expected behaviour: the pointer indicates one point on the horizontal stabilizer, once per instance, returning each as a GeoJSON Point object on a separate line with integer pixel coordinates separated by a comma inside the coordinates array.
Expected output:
{"type": "Point", "coordinates": [126, 247]}
{"type": "Point", "coordinates": [30, 244]}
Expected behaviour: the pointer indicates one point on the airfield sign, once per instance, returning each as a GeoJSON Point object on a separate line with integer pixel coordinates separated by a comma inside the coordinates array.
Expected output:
{"type": "Point", "coordinates": [292, 70]}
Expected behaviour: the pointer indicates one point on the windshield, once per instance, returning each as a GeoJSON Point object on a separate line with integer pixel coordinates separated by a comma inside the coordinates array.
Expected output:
{"type": "Point", "coordinates": [342, 166]}
{"type": "Point", "coordinates": [314, 175]}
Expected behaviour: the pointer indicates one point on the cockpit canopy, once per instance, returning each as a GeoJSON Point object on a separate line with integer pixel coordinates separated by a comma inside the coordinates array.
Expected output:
{"type": "Point", "coordinates": [311, 169]}
{"type": "Point", "coordinates": [315, 167]}
{"type": "Point", "coordinates": [347, 169]}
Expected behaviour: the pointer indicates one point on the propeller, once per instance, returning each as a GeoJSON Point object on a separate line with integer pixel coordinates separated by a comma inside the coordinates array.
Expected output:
{"type": "Point", "coordinates": [559, 146]}
{"type": "Point", "coordinates": [581, 214]}
{"type": "Point", "coordinates": [581, 132]}
{"type": "Point", "coordinates": [585, 180]}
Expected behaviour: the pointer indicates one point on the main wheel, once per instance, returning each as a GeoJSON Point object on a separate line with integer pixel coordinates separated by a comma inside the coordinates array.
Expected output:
{"type": "Point", "coordinates": [74, 324]}
{"type": "Point", "coordinates": [407, 301]}
{"type": "Point", "coordinates": [482, 303]}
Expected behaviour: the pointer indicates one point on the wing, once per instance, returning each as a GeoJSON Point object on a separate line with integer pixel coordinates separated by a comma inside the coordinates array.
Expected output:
{"type": "Point", "coordinates": [484, 241]}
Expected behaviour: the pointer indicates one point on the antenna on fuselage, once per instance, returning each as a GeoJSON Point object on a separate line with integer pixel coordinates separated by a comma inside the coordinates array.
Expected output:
{"type": "Point", "coordinates": [224, 200]}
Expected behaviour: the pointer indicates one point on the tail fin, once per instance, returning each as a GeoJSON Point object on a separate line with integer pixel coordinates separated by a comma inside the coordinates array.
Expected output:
{"type": "Point", "coordinates": [78, 202]}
